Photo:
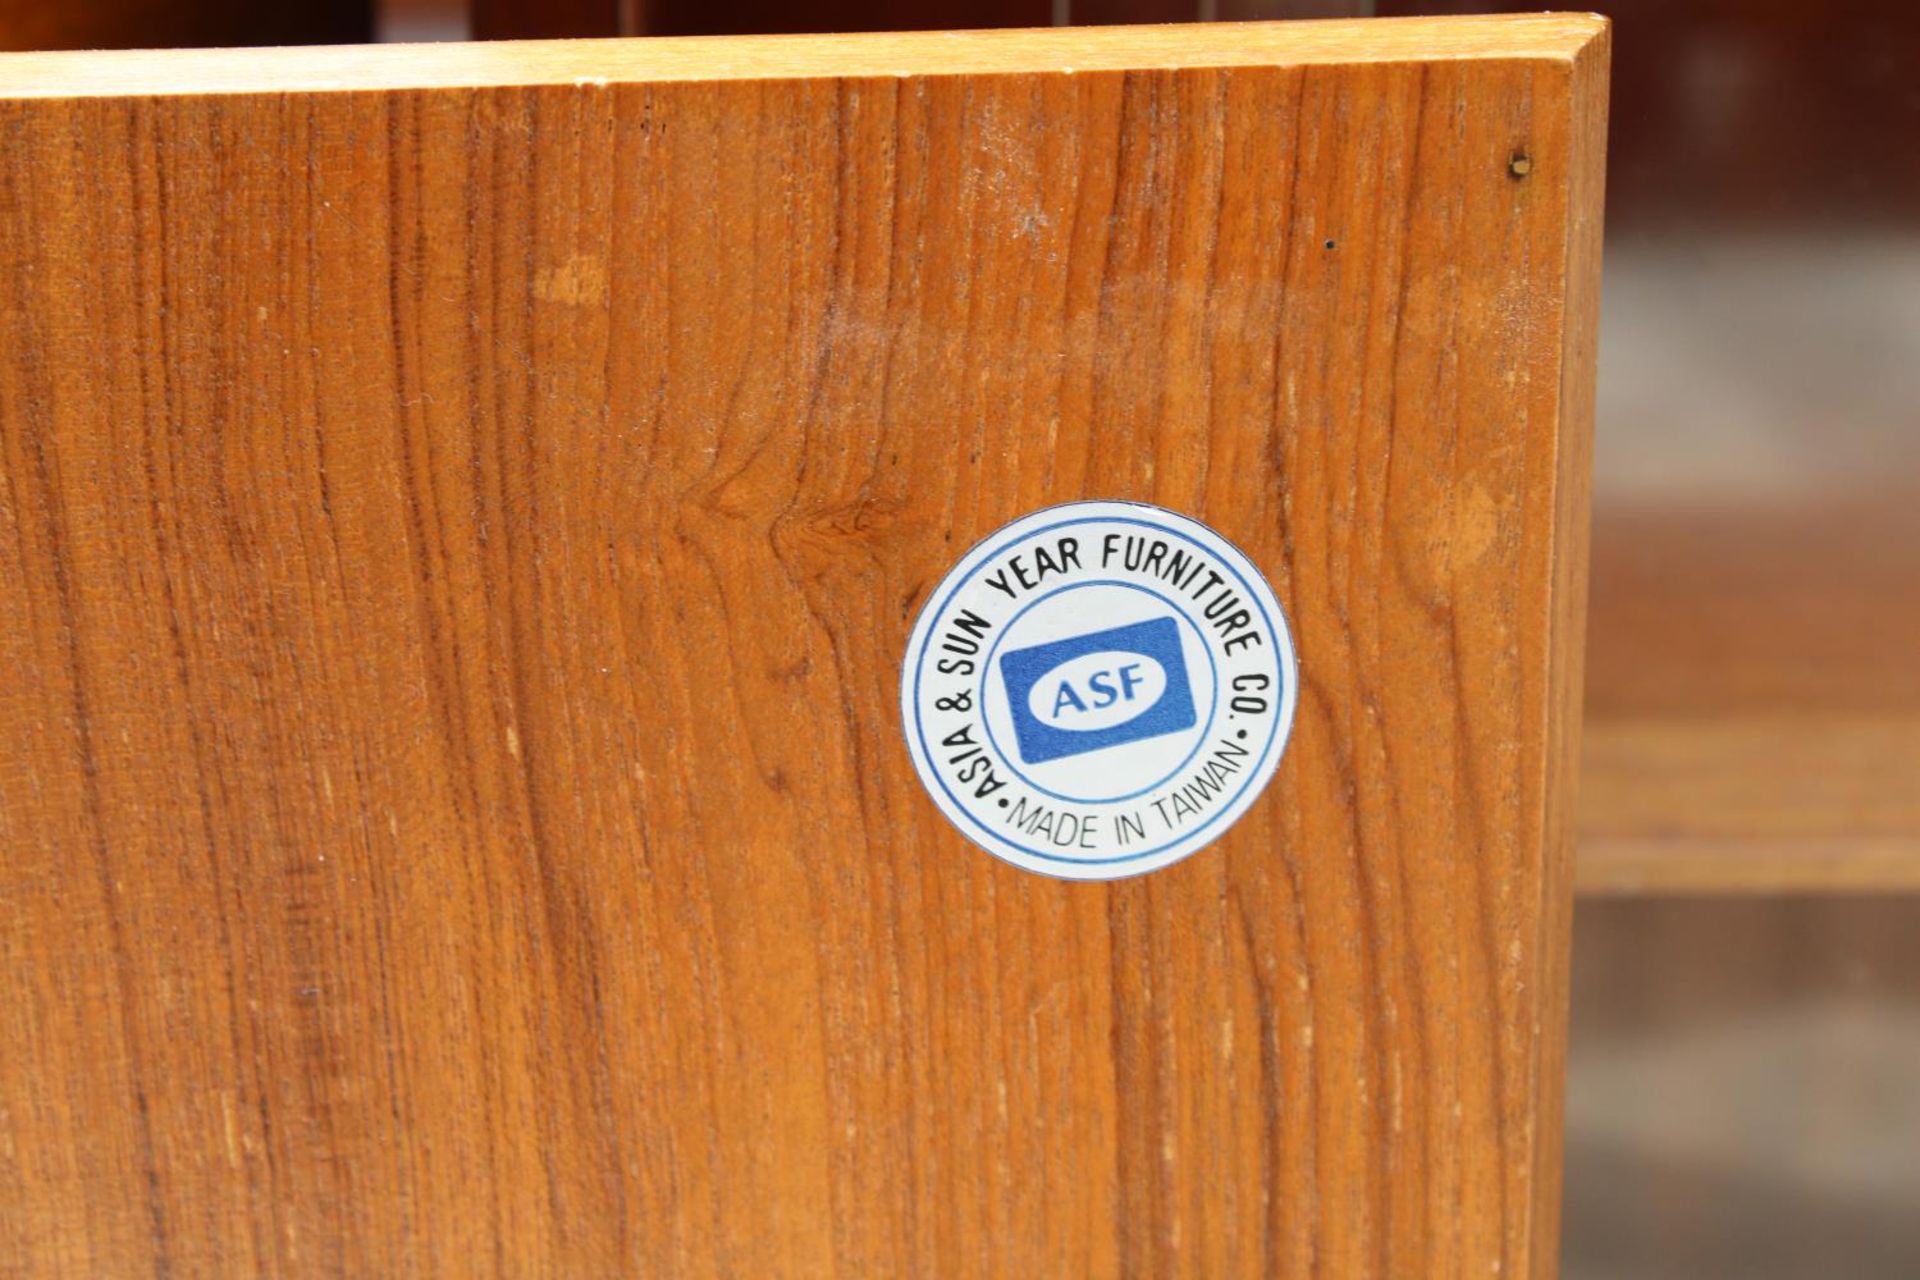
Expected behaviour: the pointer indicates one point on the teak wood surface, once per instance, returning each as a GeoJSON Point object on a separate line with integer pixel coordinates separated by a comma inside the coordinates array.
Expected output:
{"type": "Point", "coordinates": [461, 511]}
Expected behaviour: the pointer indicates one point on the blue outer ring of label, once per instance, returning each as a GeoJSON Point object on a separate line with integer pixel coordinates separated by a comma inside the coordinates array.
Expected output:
{"type": "Point", "coordinates": [1205, 729]}
{"type": "Point", "coordinates": [1253, 774]}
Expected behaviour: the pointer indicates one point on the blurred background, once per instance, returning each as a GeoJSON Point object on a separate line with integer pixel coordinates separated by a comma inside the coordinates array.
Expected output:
{"type": "Point", "coordinates": [1744, 1096]}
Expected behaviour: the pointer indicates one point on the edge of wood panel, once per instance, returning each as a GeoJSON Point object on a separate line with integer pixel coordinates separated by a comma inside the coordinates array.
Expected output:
{"type": "Point", "coordinates": [1780, 801]}
{"type": "Point", "coordinates": [1562, 37]}
{"type": "Point", "coordinates": [1572, 524]}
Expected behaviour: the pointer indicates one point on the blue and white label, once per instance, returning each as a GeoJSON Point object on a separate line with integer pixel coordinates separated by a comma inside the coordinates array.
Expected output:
{"type": "Point", "coordinates": [1098, 690]}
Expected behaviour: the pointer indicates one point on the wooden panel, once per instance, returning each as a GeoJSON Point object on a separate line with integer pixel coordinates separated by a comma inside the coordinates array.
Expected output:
{"type": "Point", "coordinates": [459, 541]}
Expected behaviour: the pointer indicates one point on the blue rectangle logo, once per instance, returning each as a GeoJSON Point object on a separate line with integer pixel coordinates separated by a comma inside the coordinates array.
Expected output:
{"type": "Point", "coordinates": [1099, 690]}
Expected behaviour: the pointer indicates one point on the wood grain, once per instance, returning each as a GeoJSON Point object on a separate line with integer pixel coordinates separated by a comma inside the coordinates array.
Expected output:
{"type": "Point", "coordinates": [460, 516]}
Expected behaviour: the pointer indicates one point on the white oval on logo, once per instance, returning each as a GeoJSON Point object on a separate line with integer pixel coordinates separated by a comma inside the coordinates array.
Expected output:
{"type": "Point", "coordinates": [1097, 690]}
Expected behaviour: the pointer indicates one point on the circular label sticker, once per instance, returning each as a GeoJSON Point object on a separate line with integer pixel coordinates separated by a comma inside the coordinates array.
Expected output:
{"type": "Point", "coordinates": [1098, 689]}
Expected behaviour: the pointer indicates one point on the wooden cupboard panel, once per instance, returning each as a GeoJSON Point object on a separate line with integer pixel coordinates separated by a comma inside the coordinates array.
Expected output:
{"type": "Point", "coordinates": [459, 536]}
{"type": "Point", "coordinates": [550, 19]}
{"type": "Point", "coordinates": [146, 24]}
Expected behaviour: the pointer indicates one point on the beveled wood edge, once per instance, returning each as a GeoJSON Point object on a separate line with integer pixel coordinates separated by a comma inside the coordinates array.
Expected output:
{"type": "Point", "coordinates": [496, 64]}
{"type": "Point", "coordinates": [1586, 140]}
